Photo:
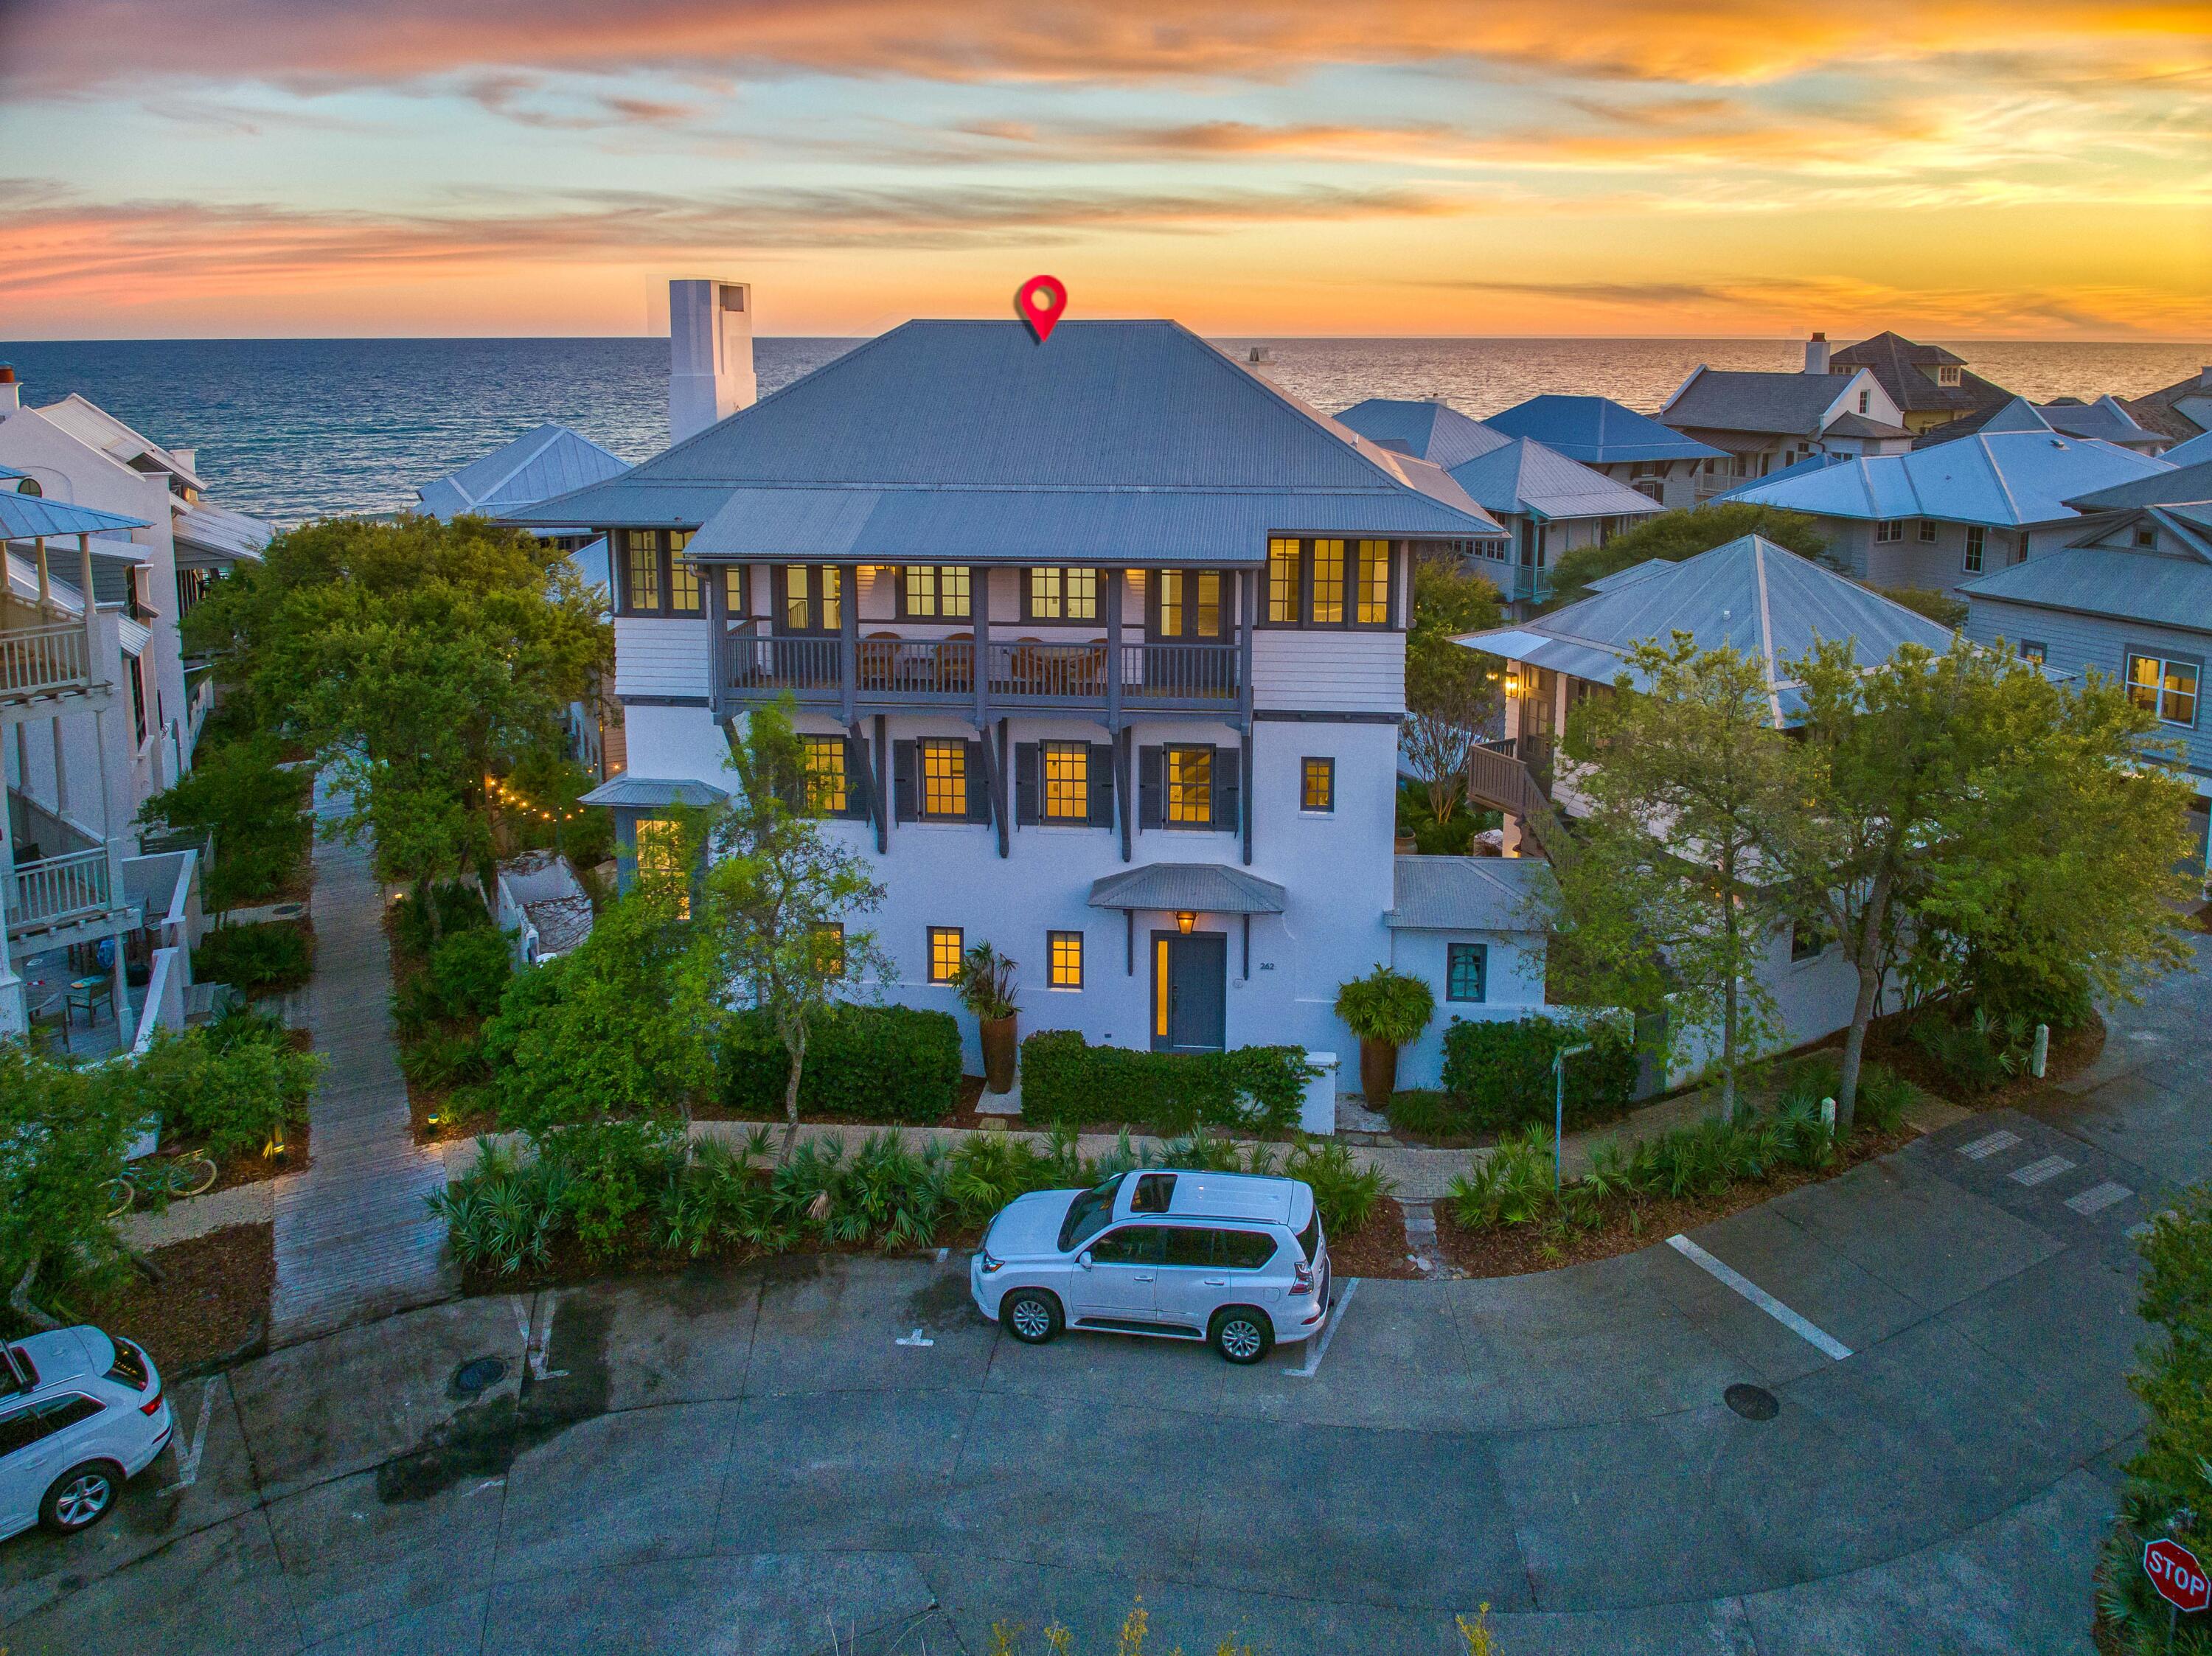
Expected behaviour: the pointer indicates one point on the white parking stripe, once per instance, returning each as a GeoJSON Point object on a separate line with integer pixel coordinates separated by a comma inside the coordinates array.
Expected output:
{"type": "Point", "coordinates": [1989, 1145]}
{"type": "Point", "coordinates": [1318, 1348]}
{"type": "Point", "coordinates": [2098, 1198]}
{"type": "Point", "coordinates": [2043, 1172]}
{"type": "Point", "coordinates": [1759, 1296]}
{"type": "Point", "coordinates": [188, 1461]}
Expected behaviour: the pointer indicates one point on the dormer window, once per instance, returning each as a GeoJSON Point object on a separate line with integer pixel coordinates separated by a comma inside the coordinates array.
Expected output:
{"type": "Point", "coordinates": [1948, 375]}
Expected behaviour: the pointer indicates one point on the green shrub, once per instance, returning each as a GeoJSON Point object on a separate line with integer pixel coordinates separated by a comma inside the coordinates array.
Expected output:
{"type": "Point", "coordinates": [1975, 1054]}
{"type": "Point", "coordinates": [445, 1058]}
{"type": "Point", "coordinates": [863, 1062]}
{"type": "Point", "coordinates": [615, 1171]}
{"type": "Point", "coordinates": [1500, 1072]}
{"type": "Point", "coordinates": [238, 1022]}
{"type": "Point", "coordinates": [882, 1192]}
{"type": "Point", "coordinates": [1066, 1081]}
{"type": "Point", "coordinates": [1428, 1112]}
{"type": "Point", "coordinates": [505, 1212]}
{"type": "Point", "coordinates": [1511, 1185]}
{"type": "Point", "coordinates": [268, 955]}
{"type": "Point", "coordinates": [1938, 606]}
{"type": "Point", "coordinates": [236, 792]}
{"type": "Point", "coordinates": [466, 976]}
{"type": "Point", "coordinates": [233, 1098]}
{"type": "Point", "coordinates": [1388, 1006]}
{"type": "Point", "coordinates": [990, 1169]}
{"type": "Point", "coordinates": [2168, 1490]}
{"type": "Point", "coordinates": [459, 907]}
{"type": "Point", "coordinates": [1345, 1192]}
{"type": "Point", "coordinates": [723, 1197]}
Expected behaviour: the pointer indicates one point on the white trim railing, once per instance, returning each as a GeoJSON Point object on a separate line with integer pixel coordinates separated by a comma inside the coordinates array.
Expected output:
{"type": "Point", "coordinates": [44, 660]}
{"type": "Point", "coordinates": [57, 889]}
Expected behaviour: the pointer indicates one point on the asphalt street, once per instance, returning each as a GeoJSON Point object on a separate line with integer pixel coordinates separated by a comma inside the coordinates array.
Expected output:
{"type": "Point", "coordinates": [743, 1460]}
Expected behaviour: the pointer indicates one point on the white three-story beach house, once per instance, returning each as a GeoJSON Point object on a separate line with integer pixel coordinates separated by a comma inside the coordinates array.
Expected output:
{"type": "Point", "coordinates": [1098, 644]}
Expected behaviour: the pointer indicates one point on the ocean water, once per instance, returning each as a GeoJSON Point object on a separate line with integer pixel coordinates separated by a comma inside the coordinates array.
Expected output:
{"type": "Point", "coordinates": [289, 430]}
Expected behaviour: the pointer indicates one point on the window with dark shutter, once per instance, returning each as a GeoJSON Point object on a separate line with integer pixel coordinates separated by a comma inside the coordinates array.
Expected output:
{"type": "Point", "coordinates": [979, 784]}
{"type": "Point", "coordinates": [1102, 784]}
{"type": "Point", "coordinates": [906, 793]}
{"type": "Point", "coordinates": [1228, 788]}
{"type": "Point", "coordinates": [1151, 764]}
{"type": "Point", "coordinates": [1025, 783]}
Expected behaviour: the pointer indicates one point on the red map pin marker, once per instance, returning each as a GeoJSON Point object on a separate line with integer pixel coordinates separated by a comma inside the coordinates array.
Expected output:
{"type": "Point", "coordinates": [1041, 301]}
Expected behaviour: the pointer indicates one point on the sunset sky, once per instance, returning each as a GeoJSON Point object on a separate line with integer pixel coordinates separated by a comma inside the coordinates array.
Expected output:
{"type": "Point", "coordinates": [2028, 168]}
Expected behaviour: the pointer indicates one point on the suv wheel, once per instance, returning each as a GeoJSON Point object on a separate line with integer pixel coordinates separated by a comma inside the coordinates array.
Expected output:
{"type": "Point", "coordinates": [81, 1497]}
{"type": "Point", "coordinates": [1242, 1334]}
{"type": "Point", "coordinates": [1031, 1316]}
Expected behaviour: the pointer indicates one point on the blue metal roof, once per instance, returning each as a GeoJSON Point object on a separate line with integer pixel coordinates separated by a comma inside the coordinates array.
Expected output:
{"type": "Point", "coordinates": [2196, 451]}
{"type": "Point", "coordinates": [1598, 431]}
{"type": "Point", "coordinates": [1761, 600]}
{"type": "Point", "coordinates": [542, 463]}
{"type": "Point", "coordinates": [28, 517]}
{"type": "Point", "coordinates": [1430, 429]}
{"type": "Point", "coordinates": [2002, 478]}
{"type": "Point", "coordinates": [968, 442]}
{"type": "Point", "coordinates": [1515, 475]}
{"type": "Point", "coordinates": [2099, 580]}
{"type": "Point", "coordinates": [1469, 893]}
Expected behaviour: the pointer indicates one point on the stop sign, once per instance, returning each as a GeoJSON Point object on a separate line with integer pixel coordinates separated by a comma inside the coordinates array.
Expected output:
{"type": "Point", "coordinates": [2179, 1578]}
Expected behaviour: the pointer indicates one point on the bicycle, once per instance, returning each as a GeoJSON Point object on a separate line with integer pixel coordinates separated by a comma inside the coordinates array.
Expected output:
{"type": "Point", "coordinates": [165, 1178]}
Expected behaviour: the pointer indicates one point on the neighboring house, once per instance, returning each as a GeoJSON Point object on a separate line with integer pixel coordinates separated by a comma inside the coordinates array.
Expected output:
{"type": "Point", "coordinates": [1629, 447]}
{"type": "Point", "coordinates": [2183, 410]}
{"type": "Point", "coordinates": [548, 460]}
{"type": "Point", "coordinates": [1547, 504]}
{"type": "Point", "coordinates": [1930, 385]}
{"type": "Point", "coordinates": [2106, 419]}
{"type": "Point", "coordinates": [1759, 597]}
{"type": "Point", "coordinates": [1765, 422]}
{"type": "Point", "coordinates": [72, 881]}
{"type": "Point", "coordinates": [1098, 646]}
{"type": "Point", "coordinates": [1937, 516]}
{"type": "Point", "coordinates": [543, 905]}
{"type": "Point", "coordinates": [2194, 452]}
{"type": "Point", "coordinates": [2131, 599]}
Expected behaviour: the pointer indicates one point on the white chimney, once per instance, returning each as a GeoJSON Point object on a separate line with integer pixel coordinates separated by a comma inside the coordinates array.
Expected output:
{"type": "Point", "coordinates": [710, 354]}
{"type": "Point", "coordinates": [2204, 378]}
{"type": "Point", "coordinates": [1816, 354]}
{"type": "Point", "coordinates": [187, 457]}
{"type": "Point", "coordinates": [11, 394]}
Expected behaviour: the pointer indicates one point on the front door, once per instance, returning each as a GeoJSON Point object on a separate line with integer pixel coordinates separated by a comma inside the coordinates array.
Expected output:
{"type": "Point", "coordinates": [1190, 992]}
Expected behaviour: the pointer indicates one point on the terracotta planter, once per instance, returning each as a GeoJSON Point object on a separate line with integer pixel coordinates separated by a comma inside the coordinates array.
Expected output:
{"type": "Point", "coordinates": [999, 1047]}
{"type": "Point", "coordinates": [1379, 1072]}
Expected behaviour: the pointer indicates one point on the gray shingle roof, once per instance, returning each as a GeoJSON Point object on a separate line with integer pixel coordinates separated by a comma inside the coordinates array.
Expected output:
{"type": "Point", "coordinates": [1202, 888]}
{"type": "Point", "coordinates": [1858, 425]}
{"type": "Point", "coordinates": [1761, 600]}
{"type": "Point", "coordinates": [2106, 581]}
{"type": "Point", "coordinates": [968, 441]}
{"type": "Point", "coordinates": [1469, 893]}
{"type": "Point", "coordinates": [1897, 364]}
{"type": "Point", "coordinates": [1721, 399]}
{"type": "Point", "coordinates": [2182, 411]}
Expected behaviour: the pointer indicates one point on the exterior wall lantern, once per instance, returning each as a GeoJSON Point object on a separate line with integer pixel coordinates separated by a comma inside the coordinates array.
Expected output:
{"type": "Point", "coordinates": [1184, 920]}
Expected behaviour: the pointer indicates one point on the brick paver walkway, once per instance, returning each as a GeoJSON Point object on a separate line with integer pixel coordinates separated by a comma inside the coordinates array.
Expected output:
{"type": "Point", "coordinates": [353, 1240]}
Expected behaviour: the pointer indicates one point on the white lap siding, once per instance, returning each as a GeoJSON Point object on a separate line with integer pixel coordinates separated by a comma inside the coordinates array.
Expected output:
{"type": "Point", "coordinates": [1323, 671]}
{"type": "Point", "coordinates": [660, 659]}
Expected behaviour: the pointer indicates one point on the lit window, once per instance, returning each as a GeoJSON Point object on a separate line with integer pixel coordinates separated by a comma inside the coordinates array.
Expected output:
{"type": "Point", "coordinates": [660, 858]}
{"type": "Point", "coordinates": [829, 947]}
{"type": "Point", "coordinates": [1065, 951]}
{"type": "Point", "coordinates": [2034, 650]}
{"type": "Point", "coordinates": [1928, 530]}
{"type": "Point", "coordinates": [831, 588]}
{"type": "Point", "coordinates": [1063, 595]}
{"type": "Point", "coordinates": [1190, 787]}
{"type": "Point", "coordinates": [944, 779]}
{"type": "Point", "coordinates": [1067, 781]}
{"type": "Point", "coordinates": [826, 783]}
{"type": "Point", "coordinates": [945, 949]}
{"type": "Point", "coordinates": [1283, 567]}
{"type": "Point", "coordinates": [797, 600]}
{"type": "Point", "coordinates": [1467, 971]}
{"type": "Point", "coordinates": [1317, 785]}
{"type": "Point", "coordinates": [644, 568]}
{"type": "Point", "coordinates": [737, 589]}
{"type": "Point", "coordinates": [683, 577]}
{"type": "Point", "coordinates": [928, 594]}
{"type": "Point", "coordinates": [1328, 583]}
{"type": "Point", "coordinates": [1171, 603]}
{"type": "Point", "coordinates": [1374, 583]}
{"type": "Point", "coordinates": [2165, 687]}
{"type": "Point", "coordinates": [1974, 534]}
{"type": "Point", "coordinates": [1189, 603]}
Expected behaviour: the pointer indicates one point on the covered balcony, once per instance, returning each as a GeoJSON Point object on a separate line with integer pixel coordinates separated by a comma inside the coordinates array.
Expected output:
{"type": "Point", "coordinates": [51, 642]}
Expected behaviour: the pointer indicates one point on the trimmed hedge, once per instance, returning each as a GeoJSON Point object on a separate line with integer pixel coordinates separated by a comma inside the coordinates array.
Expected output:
{"type": "Point", "coordinates": [868, 1063]}
{"type": "Point", "coordinates": [1068, 1082]}
{"type": "Point", "coordinates": [1501, 1073]}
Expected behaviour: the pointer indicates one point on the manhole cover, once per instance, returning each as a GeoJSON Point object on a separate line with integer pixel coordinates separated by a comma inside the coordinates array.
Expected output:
{"type": "Point", "coordinates": [1752, 1401]}
{"type": "Point", "coordinates": [477, 1374]}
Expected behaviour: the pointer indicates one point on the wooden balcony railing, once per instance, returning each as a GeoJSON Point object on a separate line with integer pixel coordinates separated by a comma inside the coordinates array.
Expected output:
{"type": "Point", "coordinates": [48, 660]}
{"type": "Point", "coordinates": [1496, 777]}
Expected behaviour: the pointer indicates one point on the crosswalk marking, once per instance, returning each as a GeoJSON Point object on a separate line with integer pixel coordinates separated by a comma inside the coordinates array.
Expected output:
{"type": "Point", "coordinates": [2043, 1172]}
{"type": "Point", "coordinates": [1989, 1145]}
{"type": "Point", "coordinates": [2098, 1198]}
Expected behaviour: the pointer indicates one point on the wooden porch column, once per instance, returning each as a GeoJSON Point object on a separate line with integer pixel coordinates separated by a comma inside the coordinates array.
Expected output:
{"type": "Point", "coordinates": [716, 594]}
{"type": "Point", "coordinates": [848, 638]}
{"type": "Point", "coordinates": [982, 608]}
{"type": "Point", "coordinates": [1113, 579]}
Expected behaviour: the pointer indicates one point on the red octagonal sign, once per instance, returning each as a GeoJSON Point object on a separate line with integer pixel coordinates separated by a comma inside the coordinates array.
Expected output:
{"type": "Point", "coordinates": [2179, 1578]}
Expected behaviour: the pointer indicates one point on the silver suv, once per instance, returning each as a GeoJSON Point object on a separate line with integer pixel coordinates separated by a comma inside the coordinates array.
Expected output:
{"type": "Point", "coordinates": [1230, 1258]}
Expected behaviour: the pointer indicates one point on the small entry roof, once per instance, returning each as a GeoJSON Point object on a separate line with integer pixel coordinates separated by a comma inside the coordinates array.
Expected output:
{"type": "Point", "coordinates": [1203, 888]}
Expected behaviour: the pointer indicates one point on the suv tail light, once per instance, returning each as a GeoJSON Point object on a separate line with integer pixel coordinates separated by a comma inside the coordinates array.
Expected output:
{"type": "Point", "coordinates": [151, 1407]}
{"type": "Point", "coordinates": [1302, 1278]}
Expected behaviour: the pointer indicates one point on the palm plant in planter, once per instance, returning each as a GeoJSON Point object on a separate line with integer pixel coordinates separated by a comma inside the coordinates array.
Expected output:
{"type": "Point", "coordinates": [1385, 1009]}
{"type": "Point", "coordinates": [986, 986]}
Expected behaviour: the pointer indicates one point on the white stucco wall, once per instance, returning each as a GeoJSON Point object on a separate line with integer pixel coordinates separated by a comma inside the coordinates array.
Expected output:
{"type": "Point", "coordinates": [1514, 988]}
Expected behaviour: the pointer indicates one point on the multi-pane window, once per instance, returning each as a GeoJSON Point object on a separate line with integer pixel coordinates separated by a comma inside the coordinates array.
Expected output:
{"type": "Point", "coordinates": [2165, 686]}
{"type": "Point", "coordinates": [931, 592]}
{"type": "Point", "coordinates": [1190, 787]}
{"type": "Point", "coordinates": [1065, 767]}
{"type": "Point", "coordinates": [2034, 650]}
{"type": "Point", "coordinates": [682, 575]}
{"type": "Point", "coordinates": [945, 949]}
{"type": "Point", "coordinates": [829, 947]}
{"type": "Point", "coordinates": [1286, 582]}
{"type": "Point", "coordinates": [1889, 529]}
{"type": "Point", "coordinates": [1974, 543]}
{"type": "Point", "coordinates": [1928, 531]}
{"type": "Point", "coordinates": [828, 788]}
{"type": "Point", "coordinates": [642, 566]}
{"type": "Point", "coordinates": [1317, 784]}
{"type": "Point", "coordinates": [1054, 594]}
{"type": "Point", "coordinates": [1187, 603]}
{"type": "Point", "coordinates": [944, 779]}
{"type": "Point", "coordinates": [812, 596]}
{"type": "Point", "coordinates": [1325, 607]}
{"type": "Point", "coordinates": [660, 862]}
{"type": "Point", "coordinates": [737, 588]}
{"type": "Point", "coordinates": [1373, 607]}
{"type": "Point", "coordinates": [1467, 971]}
{"type": "Point", "coordinates": [1064, 952]}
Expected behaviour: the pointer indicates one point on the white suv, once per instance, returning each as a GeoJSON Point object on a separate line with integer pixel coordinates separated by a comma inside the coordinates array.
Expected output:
{"type": "Point", "coordinates": [1227, 1257]}
{"type": "Point", "coordinates": [80, 1412]}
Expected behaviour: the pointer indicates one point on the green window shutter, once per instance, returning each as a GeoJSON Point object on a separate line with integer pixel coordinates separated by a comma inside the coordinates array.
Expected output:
{"type": "Point", "coordinates": [1102, 784]}
{"type": "Point", "coordinates": [905, 767]}
{"type": "Point", "coordinates": [1151, 767]}
{"type": "Point", "coordinates": [1026, 770]}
